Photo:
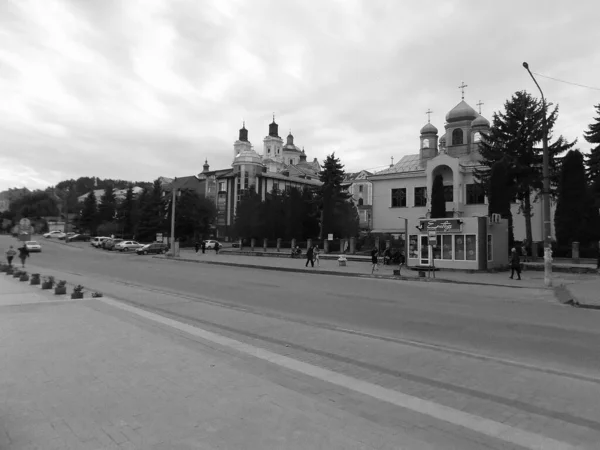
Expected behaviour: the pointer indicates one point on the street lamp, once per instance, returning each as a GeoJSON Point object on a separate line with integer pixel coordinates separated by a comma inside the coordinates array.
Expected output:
{"type": "Point", "coordinates": [405, 240]}
{"type": "Point", "coordinates": [546, 190]}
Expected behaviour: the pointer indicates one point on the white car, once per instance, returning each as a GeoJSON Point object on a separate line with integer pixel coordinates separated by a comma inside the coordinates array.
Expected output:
{"type": "Point", "coordinates": [53, 234]}
{"type": "Point", "coordinates": [210, 244]}
{"type": "Point", "coordinates": [98, 240]}
{"type": "Point", "coordinates": [126, 246]}
{"type": "Point", "coordinates": [33, 246]}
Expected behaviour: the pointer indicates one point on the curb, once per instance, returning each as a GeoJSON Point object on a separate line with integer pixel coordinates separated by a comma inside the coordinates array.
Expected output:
{"type": "Point", "coordinates": [341, 274]}
{"type": "Point", "coordinates": [564, 295]}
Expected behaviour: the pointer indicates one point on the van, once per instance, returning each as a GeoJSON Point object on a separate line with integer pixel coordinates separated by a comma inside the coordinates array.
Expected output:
{"type": "Point", "coordinates": [97, 241]}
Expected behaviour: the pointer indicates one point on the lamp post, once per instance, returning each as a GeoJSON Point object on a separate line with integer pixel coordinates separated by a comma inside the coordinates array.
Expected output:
{"type": "Point", "coordinates": [66, 215]}
{"type": "Point", "coordinates": [405, 240]}
{"type": "Point", "coordinates": [173, 201]}
{"type": "Point", "coordinates": [546, 190]}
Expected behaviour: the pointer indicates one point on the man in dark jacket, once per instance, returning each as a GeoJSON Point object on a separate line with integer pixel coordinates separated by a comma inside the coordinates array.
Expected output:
{"type": "Point", "coordinates": [23, 254]}
{"type": "Point", "coordinates": [309, 257]}
{"type": "Point", "coordinates": [515, 264]}
{"type": "Point", "coordinates": [197, 246]}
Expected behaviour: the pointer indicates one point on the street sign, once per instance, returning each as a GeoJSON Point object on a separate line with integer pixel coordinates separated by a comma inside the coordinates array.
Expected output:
{"type": "Point", "coordinates": [159, 237]}
{"type": "Point", "coordinates": [330, 237]}
{"type": "Point", "coordinates": [432, 234]}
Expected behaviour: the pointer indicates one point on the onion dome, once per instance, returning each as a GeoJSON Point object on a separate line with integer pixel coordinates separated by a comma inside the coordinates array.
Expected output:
{"type": "Point", "coordinates": [480, 121]}
{"type": "Point", "coordinates": [462, 111]}
{"type": "Point", "coordinates": [247, 156]}
{"type": "Point", "coordinates": [429, 129]}
{"type": "Point", "coordinates": [243, 133]}
{"type": "Point", "coordinates": [273, 128]}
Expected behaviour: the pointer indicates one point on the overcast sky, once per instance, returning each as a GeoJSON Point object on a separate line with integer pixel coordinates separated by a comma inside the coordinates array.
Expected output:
{"type": "Point", "coordinates": [136, 89]}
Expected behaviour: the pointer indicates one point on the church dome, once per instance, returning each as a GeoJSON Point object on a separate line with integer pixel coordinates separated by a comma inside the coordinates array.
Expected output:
{"type": "Point", "coordinates": [247, 157]}
{"type": "Point", "coordinates": [462, 111]}
{"type": "Point", "coordinates": [480, 121]}
{"type": "Point", "coordinates": [429, 129]}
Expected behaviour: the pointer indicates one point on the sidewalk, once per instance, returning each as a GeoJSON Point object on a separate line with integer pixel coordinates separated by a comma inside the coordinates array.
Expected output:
{"type": "Point", "coordinates": [530, 278]}
{"type": "Point", "coordinates": [82, 374]}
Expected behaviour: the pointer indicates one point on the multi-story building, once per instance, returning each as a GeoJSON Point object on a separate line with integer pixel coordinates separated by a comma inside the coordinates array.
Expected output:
{"type": "Point", "coordinates": [358, 185]}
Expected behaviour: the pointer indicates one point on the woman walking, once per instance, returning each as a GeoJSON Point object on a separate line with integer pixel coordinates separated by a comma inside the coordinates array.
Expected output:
{"type": "Point", "coordinates": [515, 264]}
{"type": "Point", "coordinates": [316, 253]}
{"type": "Point", "coordinates": [374, 255]}
{"type": "Point", "coordinates": [309, 257]}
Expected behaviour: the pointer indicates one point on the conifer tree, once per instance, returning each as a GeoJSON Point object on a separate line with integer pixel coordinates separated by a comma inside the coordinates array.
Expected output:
{"type": "Point", "coordinates": [332, 197]}
{"type": "Point", "coordinates": [108, 204]}
{"type": "Point", "coordinates": [592, 135]}
{"type": "Point", "coordinates": [438, 201]}
{"type": "Point", "coordinates": [89, 213]}
{"type": "Point", "coordinates": [500, 195]}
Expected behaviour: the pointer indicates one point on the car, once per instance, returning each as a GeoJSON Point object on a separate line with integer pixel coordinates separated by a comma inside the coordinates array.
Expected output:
{"type": "Point", "coordinates": [210, 244]}
{"type": "Point", "coordinates": [126, 246]}
{"type": "Point", "coordinates": [155, 247]}
{"type": "Point", "coordinates": [33, 246]}
{"type": "Point", "coordinates": [97, 241]}
{"type": "Point", "coordinates": [79, 237]}
{"type": "Point", "coordinates": [64, 236]}
{"type": "Point", "coordinates": [109, 244]}
{"type": "Point", "coordinates": [52, 234]}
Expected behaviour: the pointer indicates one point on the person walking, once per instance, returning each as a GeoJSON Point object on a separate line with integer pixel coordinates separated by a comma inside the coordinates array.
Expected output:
{"type": "Point", "coordinates": [23, 254]}
{"type": "Point", "coordinates": [203, 246]}
{"type": "Point", "coordinates": [217, 247]}
{"type": "Point", "coordinates": [515, 264]}
{"type": "Point", "coordinates": [10, 254]}
{"type": "Point", "coordinates": [374, 255]}
{"type": "Point", "coordinates": [309, 256]}
{"type": "Point", "coordinates": [316, 255]}
{"type": "Point", "coordinates": [197, 246]}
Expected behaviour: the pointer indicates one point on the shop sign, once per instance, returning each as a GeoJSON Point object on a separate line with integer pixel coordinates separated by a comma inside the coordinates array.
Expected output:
{"type": "Point", "coordinates": [441, 225]}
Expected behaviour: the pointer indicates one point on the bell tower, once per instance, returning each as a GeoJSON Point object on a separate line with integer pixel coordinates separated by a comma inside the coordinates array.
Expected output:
{"type": "Point", "coordinates": [273, 143]}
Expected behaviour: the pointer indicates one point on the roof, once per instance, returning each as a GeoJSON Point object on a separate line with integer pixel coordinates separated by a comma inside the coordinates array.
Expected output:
{"type": "Point", "coordinates": [279, 176]}
{"type": "Point", "coordinates": [352, 176]}
{"type": "Point", "coordinates": [408, 163]}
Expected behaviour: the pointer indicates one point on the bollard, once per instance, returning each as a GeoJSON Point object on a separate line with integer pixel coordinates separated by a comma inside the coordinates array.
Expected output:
{"type": "Point", "coordinates": [342, 245]}
{"type": "Point", "coordinates": [278, 245]}
{"type": "Point", "coordinates": [575, 252]}
{"type": "Point", "coordinates": [265, 241]}
{"type": "Point", "coordinates": [352, 246]}
{"type": "Point", "coordinates": [252, 244]}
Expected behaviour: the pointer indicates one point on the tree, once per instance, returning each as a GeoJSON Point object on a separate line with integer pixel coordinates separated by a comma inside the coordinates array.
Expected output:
{"type": "Point", "coordinates": [193, 215]}
{"type": "Point", "coordinates": [515, 134]}
{"type": "Point", "coordinates": [592, 135]}
{"type": "Point", "coordinates": [89, 213]}
{"type": "Point", "coordinates": [332, 197]}
{"type": "Point", "coordinates": [572, 208]}
{"type": "Point", "coordinates": [500, 196]}
{"type": "Point", "coordinates": [438, 200]}
{"type": "Point", "coordinates": [108, 205]}
{"type": "Point", "coordinates": [152, 213]}
{"type": "Point", "coordinates": [34, 205]}
{"type": "Point", "coordinates": [248, 222]}
{"type": "Point", "coordinates": [127, 213]}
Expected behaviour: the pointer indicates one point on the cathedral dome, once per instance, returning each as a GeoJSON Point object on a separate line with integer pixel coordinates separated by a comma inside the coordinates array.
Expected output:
{"type": "Point", "coordinates": [462, 111]}
{"type": "Point", "coordinates": [429, 129]}
{"type": "Point", "coordinates": [247, 157]}
{"type": "Point", "coordinates": [480, 121]}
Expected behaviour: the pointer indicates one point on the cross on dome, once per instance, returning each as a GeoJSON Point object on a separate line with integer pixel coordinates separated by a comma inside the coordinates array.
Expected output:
{"type": "Point", "coordinates": [479, 105]}
{"type": "Point", "coordinates": [428, 112]}
{"type": "Point", "coordinates": [462, 89]}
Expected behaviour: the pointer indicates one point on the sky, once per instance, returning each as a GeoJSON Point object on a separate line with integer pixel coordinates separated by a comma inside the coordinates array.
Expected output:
{"type": "Point", "coordinates": [134, 90]}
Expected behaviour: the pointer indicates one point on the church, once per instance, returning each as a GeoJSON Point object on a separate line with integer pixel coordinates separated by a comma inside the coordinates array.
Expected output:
{"type": "Point", "coordinates": [401, 193]}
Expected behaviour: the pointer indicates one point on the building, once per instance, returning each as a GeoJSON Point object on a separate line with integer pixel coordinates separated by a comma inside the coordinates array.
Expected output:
{"type": "Point", "coordinates": [358, 185]}
{"type": "Point", "coordinates": [401, 193]}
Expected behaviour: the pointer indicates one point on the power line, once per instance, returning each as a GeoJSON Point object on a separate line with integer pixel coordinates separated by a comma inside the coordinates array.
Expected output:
{"type": "Point", "coordinates": [568, 82]}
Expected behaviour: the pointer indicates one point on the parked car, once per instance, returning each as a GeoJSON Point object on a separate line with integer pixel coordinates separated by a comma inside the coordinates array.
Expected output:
{"type": "Point", "coordinates": [53, 234]}
{"type": "Point", "coordinates": [126, 246]}
{"type": "Point", "coordinates": [109, 244]}
{"type": "Point", "coordinates": [210, 244]}
{"type": "Point", "coordinates": [64, 236]}
{"type": "Point", "coordinates": [79, 238]}
{"type": "Point", "coordinates": [33, 246]}
{"type": "Point", "coordinates": [156, 247]}
{"type": "Point", "coordinates": [97, 241]}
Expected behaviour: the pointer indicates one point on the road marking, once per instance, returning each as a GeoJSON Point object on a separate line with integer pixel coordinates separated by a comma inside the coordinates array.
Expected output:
{"type": "Point", "coordinates": [457, 417]}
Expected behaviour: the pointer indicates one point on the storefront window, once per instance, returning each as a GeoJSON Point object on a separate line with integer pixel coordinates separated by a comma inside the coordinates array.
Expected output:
{"type": "Point", "coordinates": [489, 248]}
{"type": "Point", "coordinates": [459, 247]}
{"type": "Point", "coordinates": [413, 250]}
{"type": "Point", "coordinates": [471, 247]}
{"type": "Point", "coordinates": [437, 247]}
{"type": "Point", "coordinates": [446, 246]}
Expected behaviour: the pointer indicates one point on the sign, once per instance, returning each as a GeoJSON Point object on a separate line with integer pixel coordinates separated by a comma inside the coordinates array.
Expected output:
{"type": "Point", "coordinates": [330, 237]}
{"type": "Point", "coordinates": [432, 234]}
{"type": "Point", "coordinates": [441, 225]}
{"type": "Point", "coordinates": [159, 237]}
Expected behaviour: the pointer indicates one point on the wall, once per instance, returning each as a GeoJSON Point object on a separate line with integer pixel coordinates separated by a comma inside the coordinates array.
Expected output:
{"type": "Point", "coordinates": [384, 216]}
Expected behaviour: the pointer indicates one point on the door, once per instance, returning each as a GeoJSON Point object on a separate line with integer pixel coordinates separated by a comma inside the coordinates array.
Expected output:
{"type": "Point", "coordinates": [424, 251]}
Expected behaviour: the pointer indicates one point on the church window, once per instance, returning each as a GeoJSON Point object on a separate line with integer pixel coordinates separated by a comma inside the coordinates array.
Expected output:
{"type": "Point", "coordinates": [457, 137]}
{"type": "Point", "coordinates": [425, 143]}
{"type": "Point", "coordinates": [222, 187]}
{"type": "Point", "coordinates": [477, 137]}
{"type": "Point", "coordinates": [420, 196]}
{"type": "Point", "coordinates": [246, 180]}
{"type": "Point", "coordinates": [291, 161]}
{"type": "Point", "coordinates": [360, 188]}
{"type": "Point", "coordinates": [360, 202]}
{"type": "Point", "coordinates": [449, 193]}
{"type": "Point", "coordinates": [399, 198]}
{"type": "Point", "coordinates": [475, 194]}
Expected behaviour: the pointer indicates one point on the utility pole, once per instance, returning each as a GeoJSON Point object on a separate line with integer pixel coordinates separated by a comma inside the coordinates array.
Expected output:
{"type": "Point", "coordinates": [173, 219]}
{"type": "Point", "coordinates": [546, 191]}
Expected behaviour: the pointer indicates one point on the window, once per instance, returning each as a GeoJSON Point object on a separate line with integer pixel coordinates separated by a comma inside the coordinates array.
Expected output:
{"type": "Point", "coordinates": [420, 196]}
{"type": "Point", "coordinates": [360, 202]}
{"type": "Point", "coordinates": [457, 136]}
{"type": "Point", "coordinates": [413, 249]}
{"type": "Point", "coordinates": [459, 247]}
{"type": "Point", "coordinates": [471, 250]}
{"type": "Point", "coordinates": [246, 180]}
{"type": "Point", "coordinates": [275, 186]}
{"type": "Point", "coordinates": [446, 246]}
{"type": "Point", "coordinates": [222, 186]}
{"type": "Point", "coordinates": [268, 149]}
{"type": "Point", "coordinates": [449, 193]}
{"type": "Point", "coordinates": [360, 188]}
{"type": "Point", "coordinates": [490, 248]}
{"type": "Point", "coordinates": [475, 194]}
{"type": "Point", "coordinates": [436, 247]}
{"type": "Point", "coordinates": [399, 198]}
{"type": "Point", "coordinates": [425, 143]}
{"type": "Point", "coordinates": [291, 161]}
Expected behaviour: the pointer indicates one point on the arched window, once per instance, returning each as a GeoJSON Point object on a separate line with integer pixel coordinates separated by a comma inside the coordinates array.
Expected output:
{"type": "Point", "coordinates": [457, 137]}
{"type": "Point", "coordinates": [360, 202]}
{"type": "Point", "coordinates": [425, 143]}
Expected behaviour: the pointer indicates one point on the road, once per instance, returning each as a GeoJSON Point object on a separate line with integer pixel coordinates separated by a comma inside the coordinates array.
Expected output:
{"type": "Point", "coordinates": [510, 356]}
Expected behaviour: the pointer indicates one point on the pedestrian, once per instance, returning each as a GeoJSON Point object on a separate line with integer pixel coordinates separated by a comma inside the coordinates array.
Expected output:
{"type": "Point", "coordinates": [197, 246]}
{"type": "Point", "coordinates": [316, 255]}
{"type": "Point", "coordinates": [23, 254]}
{"type": "Point", "coordinates": [524, 250]}
{"type": "Point", "coordinates": [309, 256]}
{"type": "Point", "coordinates": [217, 247]}
{"type": "Point", "coordinates": [10, 254]}
{"type": "Point", "coordinates": [374, 255]}
{"type": "Point", "coordinates": [203, 246]}
{"type": "Point", "coordinates": [515, 264]}
{"type": "Point", "coordinates": [402, 261]}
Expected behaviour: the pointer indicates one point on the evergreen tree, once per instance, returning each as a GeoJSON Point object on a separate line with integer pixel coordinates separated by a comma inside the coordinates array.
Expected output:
{"type": "Point", "coordinates": [248, 221]}
{"type": "Point", "coordinates": [89, 214]}
{"type": "Point", "coordinates": [273, 211]}
{"type": "Point", "coordinates": [592, 135]}
{"type": "Point", "coordinates": [438, 200]}
{"type": "Point", "coordinates": [126, 212]}
{"type": "Point", "coordinates": [516, 135]}
{"type": "Point", "coordinates": [152, 213]}
{"type": "Point", "coordinates": [108, 205]}
{"type": "Point", "coordinates": [193, 215]}
{"type": "Point", "coordinates": [332, 197]}
{"type": "Point", "coordinates": [500, 195]}
{"type": "Point", "coordinates": [572, 208]}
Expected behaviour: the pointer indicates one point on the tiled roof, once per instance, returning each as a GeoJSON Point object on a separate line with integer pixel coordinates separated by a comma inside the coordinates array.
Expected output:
{"type": "Point", "coordinates": [408, 163]}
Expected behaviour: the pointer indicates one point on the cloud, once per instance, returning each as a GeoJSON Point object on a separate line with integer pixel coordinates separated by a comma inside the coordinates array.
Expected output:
{"type": "Point", "coordinates": [139, 89]}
